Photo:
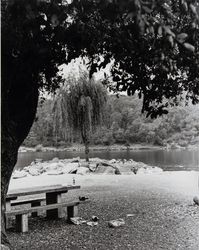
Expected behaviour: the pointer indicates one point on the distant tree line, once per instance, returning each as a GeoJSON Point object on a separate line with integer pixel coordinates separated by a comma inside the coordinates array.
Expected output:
{"type": "Point", "coordinates": [123, 123]}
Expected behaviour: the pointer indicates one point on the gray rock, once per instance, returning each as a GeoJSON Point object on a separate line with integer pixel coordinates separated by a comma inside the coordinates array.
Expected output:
{"type": "Point", "coordinates": [34, 172]}
{"type": "Point", "coordinates": [84, 164]}
{"type": "Point", "coordinates": [83, 170]}
{"type": "Point", "coordinates": [54, 166]}
{"type": "Point", "coordinates": [55, 172]}
{"type": "Point", "coordinates": [134, 170]}
{"type": "Point", "coordinates": [77, 220]}
{"type": "Point", "coordinates": [112, 161]}
{"type": "Point", "coordinates": [116, 223]}
{"type": "Point", "coordinates": [101, 169]}
{"type": "Point", "coordinates": [92, 167]}
{"type": "Point", "coordinates": [19, 174]}
{"type": "Point", "coordinates": [55, 159]}
{"type": "Point", "coordinates": [38, 160]}
{"type": "Point", "coordinates": [196, 200]}
{"type": "Point", "coordinates": [70, 168]}
{"type": "Point", "coordinates": [75, 160]}
{"type": "Point", "coordinates": [92, 223]}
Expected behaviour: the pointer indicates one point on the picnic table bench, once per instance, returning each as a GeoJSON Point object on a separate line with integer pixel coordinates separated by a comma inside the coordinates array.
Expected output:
{"type": "Point", "coordinates": [53, 206]}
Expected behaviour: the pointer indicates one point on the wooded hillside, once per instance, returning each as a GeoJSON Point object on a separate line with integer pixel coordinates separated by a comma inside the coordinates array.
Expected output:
{"type": "Point", "coordinates": [123, 124]}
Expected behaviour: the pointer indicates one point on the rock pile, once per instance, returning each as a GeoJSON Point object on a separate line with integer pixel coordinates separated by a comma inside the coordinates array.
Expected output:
{"type": "Point", "coordinates": [79, 166]}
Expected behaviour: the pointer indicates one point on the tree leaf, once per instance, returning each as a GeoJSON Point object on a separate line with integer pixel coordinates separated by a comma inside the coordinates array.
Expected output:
{"type": "Point", "coordinates": [189, 47]}
{"type": "Point", "coordinates": [170, 39]}
{"type": "Point", "coordinates": [193, 9]}
{"type": "Point", "coordinates": [146, 9]}
{"type": "Point", "coordinates": [168, 31]}
{"type": "Point", "coordinates": [160, 30]}
{"type": "Point", "coordinates": [182, 37]}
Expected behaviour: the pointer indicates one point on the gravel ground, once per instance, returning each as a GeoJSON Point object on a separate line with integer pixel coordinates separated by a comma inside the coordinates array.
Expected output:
{"type": "Point", "coordinates": [162, 219]}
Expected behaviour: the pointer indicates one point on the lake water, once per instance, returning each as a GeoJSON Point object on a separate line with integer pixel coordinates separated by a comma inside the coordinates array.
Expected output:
{"type": "Point", "coordinates": [168, 160]}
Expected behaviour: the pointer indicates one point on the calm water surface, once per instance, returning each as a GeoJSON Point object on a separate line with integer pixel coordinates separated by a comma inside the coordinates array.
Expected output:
{"type": "Point", "coordinates": [168, 160]}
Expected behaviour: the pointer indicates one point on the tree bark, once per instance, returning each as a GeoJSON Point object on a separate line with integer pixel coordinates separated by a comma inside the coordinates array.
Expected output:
{"type": "Point", "coordinates": [8, 160]}
{"type": "Point", "coordinates": [19, 104]}
{"type": "Point", "coordinates": [85, 139]}
{"type": "Point", "coordinates": [87, 151]}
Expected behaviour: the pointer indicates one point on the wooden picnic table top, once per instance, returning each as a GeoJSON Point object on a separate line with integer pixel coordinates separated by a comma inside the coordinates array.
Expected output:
{"type": "Point", "coordinates": [39, 190]}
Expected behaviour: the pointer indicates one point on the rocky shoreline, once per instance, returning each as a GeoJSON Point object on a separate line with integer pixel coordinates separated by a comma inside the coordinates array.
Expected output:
{"type": "Point", "coordinates": [40, 148]}
{"type": "Point", "coordinates": [79, 148]}
{"type": "Point", "coordinates": [81, 167]}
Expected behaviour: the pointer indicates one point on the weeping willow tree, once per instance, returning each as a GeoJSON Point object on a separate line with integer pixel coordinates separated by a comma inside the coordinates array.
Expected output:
{"type": "Point", "coordinates": [79, 107]}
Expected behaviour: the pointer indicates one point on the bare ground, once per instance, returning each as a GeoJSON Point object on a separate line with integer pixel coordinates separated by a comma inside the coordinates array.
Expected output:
{"type": "Point", "coordinates": [164, 217]}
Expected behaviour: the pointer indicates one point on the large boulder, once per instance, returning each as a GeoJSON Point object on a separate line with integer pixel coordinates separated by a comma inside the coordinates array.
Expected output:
{"type": "Point", "coordinates": [106, 169]}
{"type": "Point", "coordinates": [70, 168]}
{"type": "Point", "coordinates": [19, 174]}
{"type": "Point", "coordinates": [77, 159]}
{"type": "Point", "coordinates": [196, 200]}
{"type": "Point", "coordinates": [34, 171]}
{"type": "Point", "coordinates": [55, 172]}
{"type": "Point", "coordinates": [83, 170]}
{"type": "Point", "coordinates": [54, 166]}
{"type": "Point", "coordinates": [112, 161]}
{"type": "Point", "coordinates": [149, 170]}
{"type": "Point", "coordinates": [92, 166]}
{"type": "Point", "coordinates": [84, 164]}
{"type": "Point", "coordinates": [55, 160]}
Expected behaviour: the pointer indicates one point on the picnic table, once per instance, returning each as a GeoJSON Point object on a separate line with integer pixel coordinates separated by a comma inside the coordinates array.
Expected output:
{"type": "Point", "coordinates": [51, 195]}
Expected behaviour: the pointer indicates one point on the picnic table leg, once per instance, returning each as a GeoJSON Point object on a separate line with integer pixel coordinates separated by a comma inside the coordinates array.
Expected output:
{"type": "Point", "coordinates": [72, 211]}
{"type": "Point", "coordinates": [52, 198]}
{"type": "Point", "coordinates": [22, 223]}
{"type": "Point", "coordinates": [8, 208]}
{"type": "Point", "coordinates": [35, 204]}
{"type": "Point", "coordinates": [60, 210]}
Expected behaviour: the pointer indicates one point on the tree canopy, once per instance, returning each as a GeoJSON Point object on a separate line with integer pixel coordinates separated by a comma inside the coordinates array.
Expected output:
{"type": "Point", "coordinates": [80, 106]}
{"type": "Point", "coordinates": [154, 44]}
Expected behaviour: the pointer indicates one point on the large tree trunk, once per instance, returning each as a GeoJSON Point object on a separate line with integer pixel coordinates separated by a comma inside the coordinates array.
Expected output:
{"type": "Point", "coordinates": [87, 151]}
{"type": "Point", "coordinates": [8, 161]}
{"type": "Point", "coordinates": [85, 139]}
{"type": "Point", "coordinates": [19, 104]}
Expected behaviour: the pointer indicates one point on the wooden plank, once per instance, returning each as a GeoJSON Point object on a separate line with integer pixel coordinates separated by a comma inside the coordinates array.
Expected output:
{"type": "Point", "coordinates": [39, 190]}
{"type": "Point", "coordinates": [22, 202]}
{"type": "Point", "coordinates": [60, 210]}
{"type": "Point", "coordinates": [27, 191]}
{"type": "Point", "coordinates": [41, 208]}
{"type": "Point", "coordinates": [11, 198]}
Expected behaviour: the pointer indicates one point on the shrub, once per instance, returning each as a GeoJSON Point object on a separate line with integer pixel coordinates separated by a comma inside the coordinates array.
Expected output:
{"type": "Point", "coordinates": [182, 143]}
{"type": "Point", "coordinates": [39, 148]}
{"type": "Point", "coordinates": [127, 144]}
{"type": "Point", "coordinates": [108, 139]}
{"type": "Point", "coordinates": [158, 141]}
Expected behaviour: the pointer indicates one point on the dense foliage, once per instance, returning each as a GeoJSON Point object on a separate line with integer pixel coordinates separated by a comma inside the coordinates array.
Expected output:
{"type": "Point", "coordinates": [78, 107]}
{"type": "Point", "coordinates": [154, 46]}
{"type": "Point", "coordinates": [123, 124]}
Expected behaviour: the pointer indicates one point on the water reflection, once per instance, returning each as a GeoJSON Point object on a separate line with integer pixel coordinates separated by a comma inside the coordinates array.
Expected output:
{"type": "Point", "coordinates": [166, 159]}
